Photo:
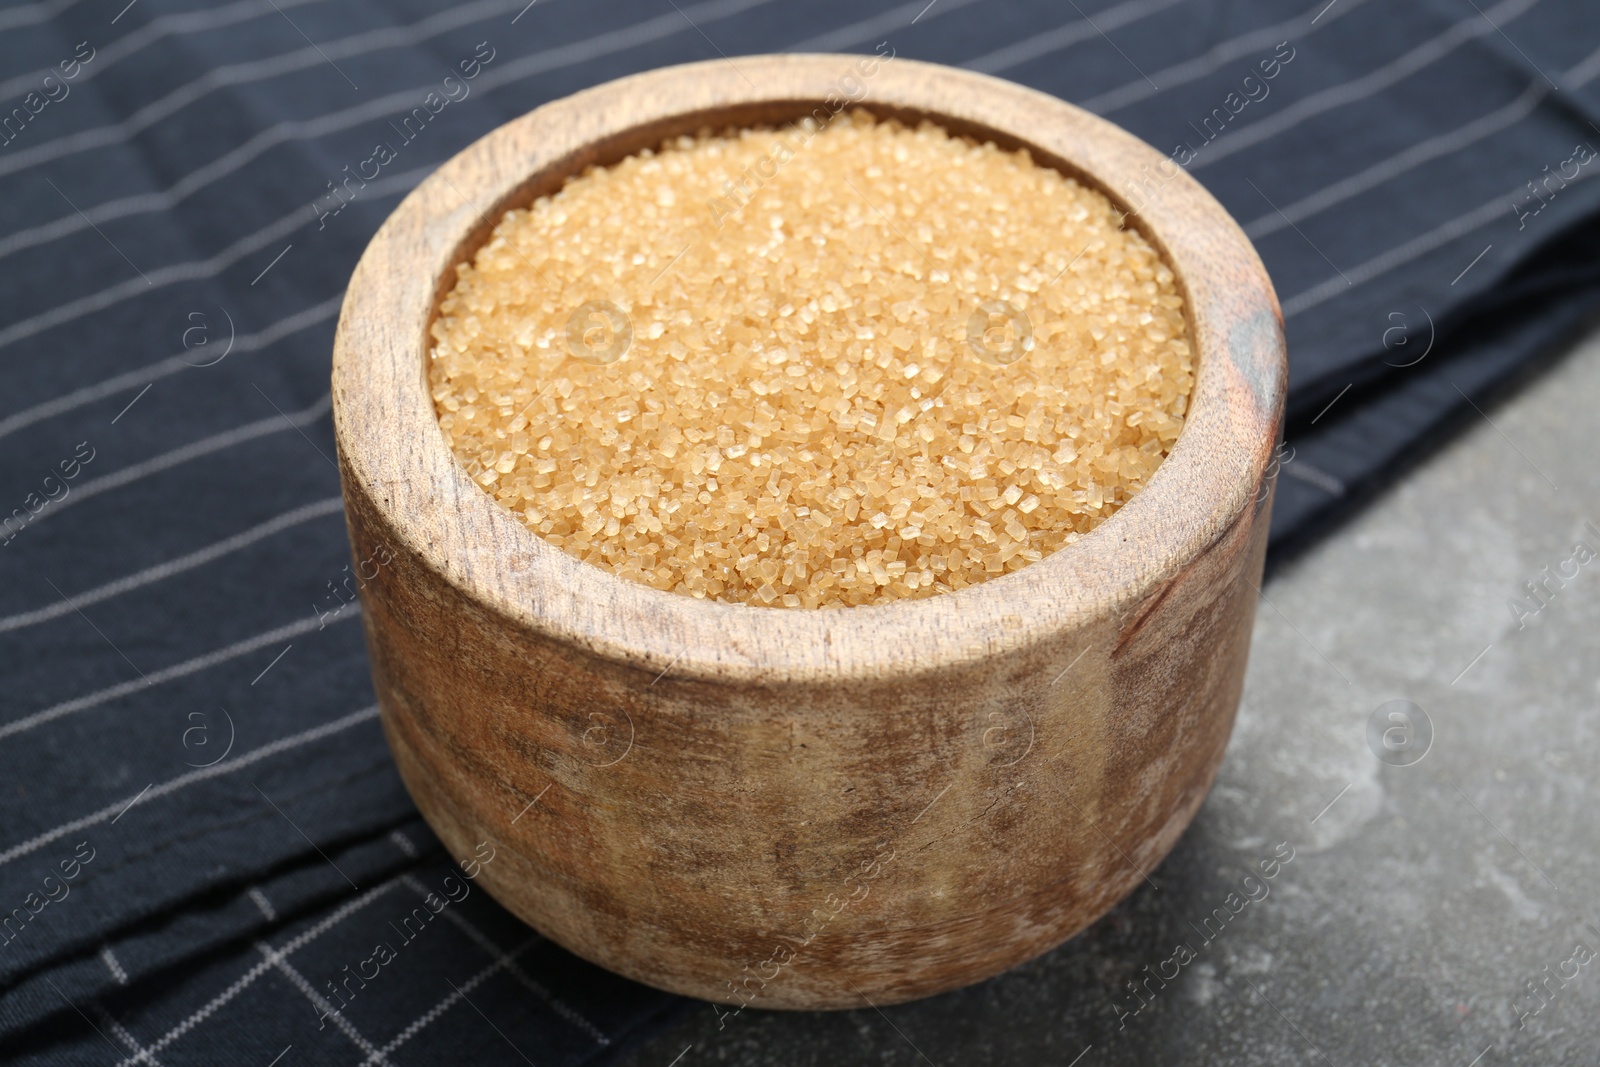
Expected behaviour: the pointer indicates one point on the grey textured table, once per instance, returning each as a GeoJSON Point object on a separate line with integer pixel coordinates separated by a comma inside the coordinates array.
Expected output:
{"type": "Point", "coordinates": [1422, 898]}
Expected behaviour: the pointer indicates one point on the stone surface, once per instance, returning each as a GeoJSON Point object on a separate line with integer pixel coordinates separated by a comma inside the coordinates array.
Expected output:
{"type": "Point", "coordinates": [1421, 898]}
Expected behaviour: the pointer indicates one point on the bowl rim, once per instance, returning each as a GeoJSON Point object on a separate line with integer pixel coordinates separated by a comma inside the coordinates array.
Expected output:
{"type": "Point", "coordinates": [1215, 474]}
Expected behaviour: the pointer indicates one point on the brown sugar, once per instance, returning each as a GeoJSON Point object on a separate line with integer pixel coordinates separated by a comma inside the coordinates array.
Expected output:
{"type": "Point", "coordinates": [813, 367]}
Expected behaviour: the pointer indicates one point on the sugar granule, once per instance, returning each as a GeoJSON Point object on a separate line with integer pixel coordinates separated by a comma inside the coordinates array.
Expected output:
{"type": "Point", "coordinates": [820, 366]}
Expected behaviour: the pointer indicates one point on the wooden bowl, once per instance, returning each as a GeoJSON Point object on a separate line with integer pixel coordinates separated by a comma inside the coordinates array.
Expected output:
{"type": "Point", "coordinates": [805, 808]}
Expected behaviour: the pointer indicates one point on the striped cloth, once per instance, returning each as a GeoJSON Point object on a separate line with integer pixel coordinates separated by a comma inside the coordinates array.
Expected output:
{"type": "Point", "coordinates": [204, 837]}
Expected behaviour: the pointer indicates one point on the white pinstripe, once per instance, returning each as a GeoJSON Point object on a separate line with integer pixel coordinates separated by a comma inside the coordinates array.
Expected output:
{"type": "Point", "coordinates": [150, 281]}
{"type": "Point", "coordinates": [184, 453]}
{"type": "Point", "coordinates": [161, 571]}
{"type": "Point", "coordinates": [427, 1018]}
{"type": "Point", "coordinates": [140, 1053]}
{"type": "Point", "coordinates": [263, 905]}
{"type": "Point", "coordinates": [30, 14]}
{"type": "Point", "coordinates": [142, 376]}
{"type": "Point", "coordinates": [1463, 224]}
{"type": "Point", "coordinates": [1368, 85]}
{"type": "Point", "coordinates": [1585, 72]}
{"type": "Point", "coordinates": [321, 1003]}
{"type": "Point", "coordinates": [403, 843]}
{"type": "Point", "coordinates": [1403, 253]}
{"type": "Point", "coordinates": [251, 71]}
{"type": "Point", "coordinates": [183, 781]}
{"type": "Point", "coordinates": [1392, 167]}
{"type": "Point", "coordinates": [152, 31]}
{"type": "Point", "coordinates": [249, 978]}
{"type": "Point", "coordinates": [113, 965]}
{"type": "Point", "coordinates": [195, 270]}
{"type": "Point", "coordinates": [394, 103]}
{"type": "Point", "coordinates": [177, 670]}
{"type": "Point", "coordinates": [199, 269]}
{"type": "Point", "coordinates": [1079, 30]}
{"type": "Point", "coordinates": [495, 952]}
{"type": "Point", "coordinates": [896, 18]}
{"type": "Point", "coordinates": [147, 203]}
{"type": "Point", "coordinates": [1214, 59]}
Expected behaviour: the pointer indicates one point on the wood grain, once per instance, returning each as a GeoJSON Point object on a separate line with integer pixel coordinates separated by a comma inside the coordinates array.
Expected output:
{"type": "Point", "coordinates": [790, 808]}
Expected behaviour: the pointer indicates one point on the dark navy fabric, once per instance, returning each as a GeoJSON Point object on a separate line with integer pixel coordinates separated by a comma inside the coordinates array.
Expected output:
{"type": "Point", "coordinates": [203, 834]}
